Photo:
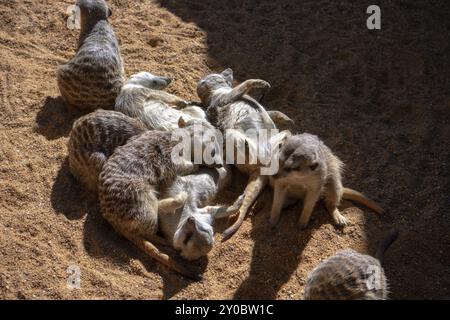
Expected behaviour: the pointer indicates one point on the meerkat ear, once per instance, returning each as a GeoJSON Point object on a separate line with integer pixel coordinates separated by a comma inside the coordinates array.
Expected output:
{"type": "Point", "coordinates": [228, 75]}
{"type": "Point", "coordinates": [181, 123]}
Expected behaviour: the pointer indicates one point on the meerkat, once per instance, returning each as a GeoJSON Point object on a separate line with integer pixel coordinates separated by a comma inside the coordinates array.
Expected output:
{"type": "Point", "coordinates": [349, 275]}
{"type": "Point", "coordinates": [128, 186]}
{"type": "Point", "coordinates": [310, 170]}
{"type": "Point", "coordinates": [92, 79]}
{"type": "Point", "coordinates": [142, 97]}
{"type": "Point", "coordinates": [190, 228]}
{"type": "Point", "coordinates": [93, 139]}
{"type": "Point", "coordinates": [233, 111]}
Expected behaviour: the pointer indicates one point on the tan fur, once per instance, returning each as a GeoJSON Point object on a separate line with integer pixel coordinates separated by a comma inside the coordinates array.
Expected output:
{"type": "Point", "coordinates": [93, 77]}
{"type": "Point", "coordinates": [309, 170]}
{"type": "Point", "coordinates": [93, 139]}
{"type": "Point", "coordinates": [349, 275]}
{"type": "Point", "coordinates": [142, 98]}
{"type": "Point", "coordinates": [128, 186]}
{"type": "Point", "coordinates": [231, 110]}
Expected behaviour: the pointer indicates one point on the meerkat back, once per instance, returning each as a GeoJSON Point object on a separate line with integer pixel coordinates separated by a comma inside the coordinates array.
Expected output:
{"type": "Point", "coordinates": [348, 275]}
{"type": "Point", "coordinates": [93, 139]}
{"type": "Point", "coordinates": [93, 78]}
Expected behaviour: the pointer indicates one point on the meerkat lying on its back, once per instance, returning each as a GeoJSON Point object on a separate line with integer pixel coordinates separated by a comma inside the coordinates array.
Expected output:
{"type": "Point", "coordinates": [309, 170]}
{"type": "Point", "coordinates": [93, 139]}
{"type": "Point", "coordinates": [234, 112]}
{"type": "Point", "coordinates": [349, 275]}
{"type": "Point", "coordinates": [142, 97]}
{"type": "Point", "coordinates": [128, 186]}
{"type": "Point", "coordinates": [190, 228]}
{"type": "Point", "coordinates": [93, 77]}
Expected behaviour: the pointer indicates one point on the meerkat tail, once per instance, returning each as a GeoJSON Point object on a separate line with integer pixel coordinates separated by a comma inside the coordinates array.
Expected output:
{"type": "Point", "coordinates": [252, 191]}
{"type": "Point", "coordinates": [150, 249]}
{"type": "Point", "coordinates": [353, 195]}
{"type": "Point", "coordinates": [385, 244]}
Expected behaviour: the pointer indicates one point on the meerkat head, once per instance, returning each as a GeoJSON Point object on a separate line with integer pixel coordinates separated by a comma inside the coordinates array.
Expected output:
{"type": "Point", "coordinates": [204, 134]}
{"type": "Point", "coordinates": [194, 237]}
{"type": "Point", "coordinates": [212, 82]}
{"type": "Point", "coordinates": [299, 156]}
{"type": "Point", "coordinates": [148, 80]}
{"type": "Point", "coordinates": [92, 11]}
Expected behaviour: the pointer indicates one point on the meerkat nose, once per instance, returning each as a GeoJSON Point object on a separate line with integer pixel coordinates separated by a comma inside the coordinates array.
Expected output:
{"type": "Point", "coordinates": [168, 80]}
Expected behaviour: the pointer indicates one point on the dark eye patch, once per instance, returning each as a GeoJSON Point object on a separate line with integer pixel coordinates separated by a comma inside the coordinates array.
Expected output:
{"type": "Point", "coordinates": [313, 166]}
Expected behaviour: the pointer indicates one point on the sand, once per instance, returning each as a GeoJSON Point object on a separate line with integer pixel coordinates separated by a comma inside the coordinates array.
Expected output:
{"type": "Point", "coordinates": [379, 99]}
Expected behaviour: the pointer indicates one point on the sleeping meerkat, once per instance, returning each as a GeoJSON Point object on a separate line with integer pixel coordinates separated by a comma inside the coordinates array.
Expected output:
{"type": "Point", "coordinates": [190, 228]}
{"type": "Point", "coordinates": [93, 77]}
{"type": "Point", "coordinates": [93, 139]}
{"type": "Point", "coordinates": [233, 111]}
{"type": "Point", "coordinates": [309, 170]}
{"type": "Point", "coordinates": [128, 186]}
{"type": "Point", "coordinates": [349, 275]}
{"type": "Point", "coordinates": [142, 97]}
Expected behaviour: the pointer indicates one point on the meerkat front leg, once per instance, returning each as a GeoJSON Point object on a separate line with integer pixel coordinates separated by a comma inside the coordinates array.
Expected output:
{"type": "Point", "coordinates": [240, 90]}
{"type": "Point", "coordinates": [173, 100]}
{"type": "Point", "coordinates": [309, 202]}
{"type": "Point", "coordinates": [169, 205]}
{"type": "Point", "coordinates": [279, 197]}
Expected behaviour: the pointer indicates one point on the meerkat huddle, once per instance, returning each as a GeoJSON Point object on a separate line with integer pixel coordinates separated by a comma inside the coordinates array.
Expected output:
{"type": "Point", "coordinates": [124, 155]}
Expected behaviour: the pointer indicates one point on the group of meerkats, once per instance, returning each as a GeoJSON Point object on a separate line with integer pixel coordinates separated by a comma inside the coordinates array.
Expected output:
{"type": "Point", "coordinates": [122, 151]}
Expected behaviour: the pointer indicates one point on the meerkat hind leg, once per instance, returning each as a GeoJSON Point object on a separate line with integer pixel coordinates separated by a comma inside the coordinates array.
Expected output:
{"type": "Point", "coordinates": [150, 249]}
{"type": "Point", "coordinates": [224, 211]}
{"type": "Point", "coordinates": [332, 200]}
{"type": "Point", "coordinates": [138, 236]}
{"type": "Point", "coordinates": [252, 190]}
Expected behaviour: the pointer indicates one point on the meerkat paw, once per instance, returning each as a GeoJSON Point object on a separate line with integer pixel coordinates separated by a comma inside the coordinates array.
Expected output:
{"type": "Point", "coordinates": [340, 220]}
{"type": "Point", "coordinates": [303, 224]}
{"type": "Point", "coordinates": [261, 84]}
{"type": "Point", "coordinates": [182, 103]}
{"type": "Point", "coordinates": [274, 221]}
{"type": "Point", "coordinates": [181, 198]}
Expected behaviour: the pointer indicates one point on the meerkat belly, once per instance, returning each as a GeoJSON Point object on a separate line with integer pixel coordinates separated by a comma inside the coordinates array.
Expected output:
{"type": "Point", "coordinates": [297, 191]}
{"type": "Point", "coordinates": [296, 188]}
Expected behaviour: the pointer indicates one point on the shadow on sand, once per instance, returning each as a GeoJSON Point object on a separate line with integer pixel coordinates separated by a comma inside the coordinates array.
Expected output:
{"type": "Point", "coordinates": [101, 240]}
{"type": "Point", "coordinates": [55, 119]}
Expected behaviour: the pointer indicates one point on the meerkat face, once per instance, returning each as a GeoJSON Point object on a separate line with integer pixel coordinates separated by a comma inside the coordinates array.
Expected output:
{"type": "Point", "coordinates": [299, 159]}
{"type": "Point", "coordinates": [195, 237]}
{"type": "Point", "coordinates": [212, 82]}
{"type": "Point", "coordinates": [148, 80]}
{"type": "Point", "coordinates": [93, 10]}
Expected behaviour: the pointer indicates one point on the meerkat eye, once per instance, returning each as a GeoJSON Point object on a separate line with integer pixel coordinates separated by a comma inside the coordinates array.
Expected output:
{"type": "Point", "coordinates": [188, 237]}
{"type": "Point", "coordinates": [313, 166]}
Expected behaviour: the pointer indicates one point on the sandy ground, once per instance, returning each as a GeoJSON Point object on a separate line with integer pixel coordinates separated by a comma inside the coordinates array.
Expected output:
{"type": "Point", "coordinates": [379, 99]}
